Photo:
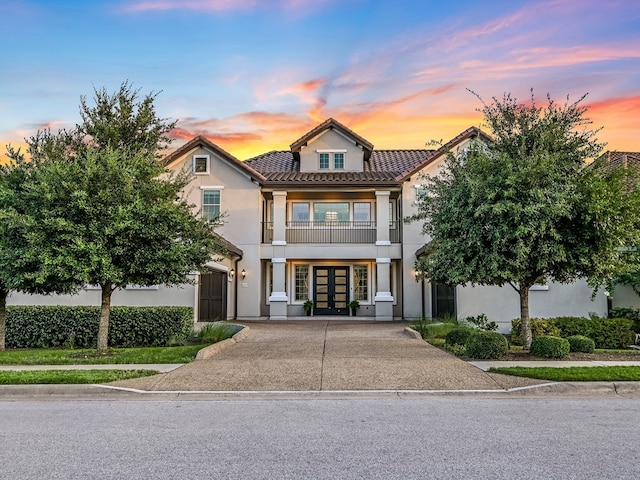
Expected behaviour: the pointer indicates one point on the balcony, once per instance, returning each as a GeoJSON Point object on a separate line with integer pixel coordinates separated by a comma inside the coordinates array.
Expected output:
{"type": "Point", "coordinates": [330, 232]}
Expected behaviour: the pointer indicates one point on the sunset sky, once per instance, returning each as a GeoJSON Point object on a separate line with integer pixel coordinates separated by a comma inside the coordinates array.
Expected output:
{"type": "Point", "coordinates": [254, 75]}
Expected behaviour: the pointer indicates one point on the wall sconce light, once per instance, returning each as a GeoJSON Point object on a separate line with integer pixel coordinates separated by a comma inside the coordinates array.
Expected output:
{"type": "Point", "coordinates": [232, 273]}
{"type": "Point", "coordinates": [243, 273]}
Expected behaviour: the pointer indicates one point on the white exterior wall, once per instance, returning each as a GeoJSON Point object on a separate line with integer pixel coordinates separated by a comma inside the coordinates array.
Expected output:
{"type": "Point", "coordinates": [624, 296]}
{"type": "Point", "coordinates": [162, 296]}
{"type": "Point", "coordinates": [241, 205]}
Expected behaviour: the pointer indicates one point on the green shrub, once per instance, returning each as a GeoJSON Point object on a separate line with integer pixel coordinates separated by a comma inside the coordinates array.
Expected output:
{"type": "Point", "coordinates": [539, 326]}
{"type": "Point", "coordinates": [482, 322]}
{"type": "Point", "coordinates": [548, 346]}
{"type": "Point", "coordinates": [605, 332]}
{"type": "Point", "coordinates": [458, 336]}
{"type": "Point", "coordinates": [485, 345]}
{"type": "Point", "coordinates": [582, 344]}
{"type": "Point", "coordinates": [216, 332]}
{"type": "Point", "coordinates": [632, 314]}
{"type": "Point", "coordinates": [429, 328]}
{"type": "Point", "coordinates": [77, 326]}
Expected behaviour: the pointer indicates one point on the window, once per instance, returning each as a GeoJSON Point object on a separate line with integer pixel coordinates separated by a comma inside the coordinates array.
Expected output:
{"type": "Point", "coordinates": [330, 212]}
{"type": "Point", "coordinates": [300, 212]}
{"type": "Point", "coordinates": [361, 212]}
{"type": "Point", "coordinates": [201, 164]}
{"type": "Point", "coordinates": [324, 161]}
{"type": "Point", "coordinates": [338, 160]}
{"type": "Point", "coordinates": [421, 193]}
{"type": "Point", "coordinates": [361, 283]}
{"type": "Point", "coordinates": [211, 204]}
{"type": "Point", "coordinates": [302, 283]}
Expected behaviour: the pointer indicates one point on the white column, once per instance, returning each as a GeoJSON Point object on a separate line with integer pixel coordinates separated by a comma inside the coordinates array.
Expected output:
{"type": "Point", "coordinates": [383, 298]}
{"type": "Point", "coordinates": [278, 299]}
{"type": "Point", "coordinates": [279, 218]}
{"type": "Point", "coordinates": [382, 217]}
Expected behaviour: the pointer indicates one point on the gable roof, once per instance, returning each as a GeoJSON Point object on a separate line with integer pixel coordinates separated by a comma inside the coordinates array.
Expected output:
{"type": "Point", "coordinates": [621, 158]}
{"type": "Point", "coordinates": [201, 141]}
{"type": "Point", "coordinates": [331, 124]}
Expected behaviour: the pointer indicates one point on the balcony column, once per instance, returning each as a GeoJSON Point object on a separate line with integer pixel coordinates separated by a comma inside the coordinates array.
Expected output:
{"type": "Point", "coordinates": [278, 299]}
{"type": "Point", "coordinates": [382, 217]}
{"type": "Point", "coordinates": [383, 298]}
{"type": "Point", "coordinates": [279, 218]}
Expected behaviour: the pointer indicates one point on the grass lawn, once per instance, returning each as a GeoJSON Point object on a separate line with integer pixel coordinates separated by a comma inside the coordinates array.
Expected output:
{"type": "Point", "coordinates": [574, 374]}
{"type": "Point", "coordinates": [70, 376]}
{"type": "Point", "coordinates": [182, 354]}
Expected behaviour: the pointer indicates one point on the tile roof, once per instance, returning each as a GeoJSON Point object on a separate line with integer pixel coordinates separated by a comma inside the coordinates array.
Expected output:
{"type": "Point", "coordinates": [384, 166]}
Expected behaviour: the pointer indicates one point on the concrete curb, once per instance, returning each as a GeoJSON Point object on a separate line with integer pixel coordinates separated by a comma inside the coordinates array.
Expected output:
{"type": "Point", "coordinates": [212, 350]}
{"type": "Point", "coordinates": [93, 392]}
{"type": "Point", "coordinates": [412, 333]}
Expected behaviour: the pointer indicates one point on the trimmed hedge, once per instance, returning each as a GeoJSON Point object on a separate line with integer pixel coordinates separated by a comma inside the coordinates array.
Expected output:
{"type": "Point", "coordinates": [77, 326]}
{"type": "Point", "coordinates": [632, 314]}
{"type": "Point", "coordinates": [486, 345]}
{"type": "Point", "coordinates": [458, 336]}
{"type": "Point", "coordinates": [548, 346]}
{"type": "Point", "coordinates": [581, 344]}
{"type": "Point", "coordinates": [605, 332]}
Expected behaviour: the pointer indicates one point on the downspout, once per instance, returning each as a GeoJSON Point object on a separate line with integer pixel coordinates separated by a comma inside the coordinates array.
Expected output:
{"type": "Point", "coordinates": [235, 288]}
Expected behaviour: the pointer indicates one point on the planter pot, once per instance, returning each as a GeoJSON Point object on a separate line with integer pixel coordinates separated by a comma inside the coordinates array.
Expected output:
{"type": "Point", "coordinates": [353, 311]}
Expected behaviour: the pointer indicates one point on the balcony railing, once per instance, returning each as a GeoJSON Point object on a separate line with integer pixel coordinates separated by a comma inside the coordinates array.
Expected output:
{"type": "Point", "coordinates": [330, 232]}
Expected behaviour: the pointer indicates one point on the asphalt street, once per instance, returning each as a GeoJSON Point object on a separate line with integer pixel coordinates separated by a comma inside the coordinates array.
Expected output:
{"type": "Point", "coordinates": [349, 438]}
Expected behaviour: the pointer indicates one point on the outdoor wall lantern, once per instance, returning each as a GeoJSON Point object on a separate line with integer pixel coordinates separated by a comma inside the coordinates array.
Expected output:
{"type": "Point", "coordinates": [243, 273]}
{"type": "Point", "coordinates": [232, 273]}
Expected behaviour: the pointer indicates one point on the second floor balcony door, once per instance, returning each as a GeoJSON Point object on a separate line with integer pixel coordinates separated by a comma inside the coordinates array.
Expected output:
{"type": "Point", "coordinates": [331, 290]}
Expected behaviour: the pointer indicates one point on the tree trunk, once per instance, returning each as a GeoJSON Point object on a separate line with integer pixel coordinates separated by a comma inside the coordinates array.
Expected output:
{"type": "Point", "coordinates": [103, 327]}
{"type": "Point", "coordinates": [524, 317]}
{"type": "Point", "coordinates": [3, 319]}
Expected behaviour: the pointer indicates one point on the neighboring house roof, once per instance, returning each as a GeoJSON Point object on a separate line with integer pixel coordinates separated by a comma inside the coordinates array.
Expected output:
{"type": "Point", "coordinates": [622, 158]}
{"type": "Point", "coordinates": [331, 124]}
{"type": "Point", "coordinates": [201, 141]}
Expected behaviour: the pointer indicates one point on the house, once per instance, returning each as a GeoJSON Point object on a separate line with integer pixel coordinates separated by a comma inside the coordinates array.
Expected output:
{"type": "Point", "coordinates": [324, 221]}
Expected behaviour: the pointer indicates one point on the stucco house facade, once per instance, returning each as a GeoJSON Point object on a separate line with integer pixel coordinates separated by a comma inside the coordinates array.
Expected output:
{"type": "Point", "coordinates": [324, 221]}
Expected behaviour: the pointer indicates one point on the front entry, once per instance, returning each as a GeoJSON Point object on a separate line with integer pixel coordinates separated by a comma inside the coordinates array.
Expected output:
{"type": "Point", "coordinates": [330, 290]}
{"type": "Point", "coordinates": [444, 300]}
{"type": "Point", "coordinates": [213, 297]}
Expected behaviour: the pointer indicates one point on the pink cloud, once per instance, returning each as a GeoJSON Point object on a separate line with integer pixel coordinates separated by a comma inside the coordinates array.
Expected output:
{"type": "Point", "coordinates": [213, 6]}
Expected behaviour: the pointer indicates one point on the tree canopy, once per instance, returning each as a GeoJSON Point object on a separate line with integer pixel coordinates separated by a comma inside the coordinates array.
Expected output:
{"type": "Point", "coordinates": [102, 210]}
{"type": "Point", "coordinates": [525, 208]}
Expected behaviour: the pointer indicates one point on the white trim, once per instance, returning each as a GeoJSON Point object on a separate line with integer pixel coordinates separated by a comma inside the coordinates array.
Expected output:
{"type": "Point", "coordinates": [383, 297]}
{"type": "Point", "coordinates": [279, 243]}
{"type": "Point", "coordinates": [278, 260]}
{"type": "Point", "coordinates": [193, 164]}
{"type": "Point", "coordinates": [217, 266]}
{"type": "Point", "coordinates": [382, 243]}
{"type": "Point", "coordinates": [331, 150]}
{"type": "Point", "coordinates": [383, 260]}
{"type": "Point", "coordinates": [211, 187]}
{"type": "Point", "coordinates": [278, 297]}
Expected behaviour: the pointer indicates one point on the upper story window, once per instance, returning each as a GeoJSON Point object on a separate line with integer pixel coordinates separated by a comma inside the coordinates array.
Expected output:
{"type": "Point", "coordinates": [324, 161]}
{"type": "Point", "coordinates": [300, 212]}
{"type": "Point", "coordinates": [362, 212]}
{"type": "Point", "coordinates": [331, 159]}
{"type": "Point", "coordinates": [211, 204]}
{"type": "Point", "coordinates": [201, 164]}
{"type": "Point", "coordinates": [421, 193]}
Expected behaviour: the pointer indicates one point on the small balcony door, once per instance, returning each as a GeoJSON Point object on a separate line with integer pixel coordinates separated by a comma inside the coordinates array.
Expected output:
{"type": "Point", "coordinates": [330, 290]}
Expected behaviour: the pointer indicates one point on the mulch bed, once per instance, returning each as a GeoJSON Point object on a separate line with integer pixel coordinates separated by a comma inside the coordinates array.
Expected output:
{"type": "Point", "coordinates": [633, 355]}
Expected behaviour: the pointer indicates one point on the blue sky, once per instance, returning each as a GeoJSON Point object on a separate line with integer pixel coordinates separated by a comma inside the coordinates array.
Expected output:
{"type": "Point", "coordinates": [254, 75]}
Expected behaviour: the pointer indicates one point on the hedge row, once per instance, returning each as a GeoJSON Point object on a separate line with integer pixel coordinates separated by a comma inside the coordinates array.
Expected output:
{"type": "Point", "coordinates": [77, 327]}
{"type": "Point", "coordinates": [605, 332]}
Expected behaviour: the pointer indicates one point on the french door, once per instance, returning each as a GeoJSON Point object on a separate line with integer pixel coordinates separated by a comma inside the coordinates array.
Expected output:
{"type": "Point", "coordinates": [330, 290]}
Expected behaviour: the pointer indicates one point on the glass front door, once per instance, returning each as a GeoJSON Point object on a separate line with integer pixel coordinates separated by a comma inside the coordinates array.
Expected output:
{"type": "Point", "coordinates": [331, 290]}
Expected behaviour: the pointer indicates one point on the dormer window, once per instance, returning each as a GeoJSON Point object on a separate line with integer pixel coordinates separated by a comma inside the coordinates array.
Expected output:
{"type": "Point", "coordinates": [201, 164]}
{"type": "Point", "coordinates": [331, 159]}
{"type": "Point", "coordinates": [324, 161]}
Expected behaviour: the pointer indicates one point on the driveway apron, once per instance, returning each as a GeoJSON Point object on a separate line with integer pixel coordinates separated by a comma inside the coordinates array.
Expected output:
{"type": "Point", "coordinates": [326, 356]}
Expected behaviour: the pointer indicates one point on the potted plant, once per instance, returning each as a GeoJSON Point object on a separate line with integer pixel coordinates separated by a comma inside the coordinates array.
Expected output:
{"type": "Point", "coordinates": [353, 305]}
{"type": "Point", "coordinates": [308, 307]}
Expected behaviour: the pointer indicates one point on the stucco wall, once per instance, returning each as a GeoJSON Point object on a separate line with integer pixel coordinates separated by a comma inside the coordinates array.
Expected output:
{"type": "Point", "coordinates": [331, 140]}
{"type": "Point", "coordinates": [624, 296]}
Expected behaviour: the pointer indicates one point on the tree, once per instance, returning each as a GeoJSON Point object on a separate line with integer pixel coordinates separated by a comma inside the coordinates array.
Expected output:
{"type": "Point", "coordinates": [103, 209]}
{"type": "Point", "coordinates": [524, 208]}
{"type": "Point", "coordinates": [20, 269]}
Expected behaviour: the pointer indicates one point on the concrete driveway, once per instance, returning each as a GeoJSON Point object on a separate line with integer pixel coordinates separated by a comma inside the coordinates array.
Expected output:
{"type": "Point", "coordinates": [328, 356]}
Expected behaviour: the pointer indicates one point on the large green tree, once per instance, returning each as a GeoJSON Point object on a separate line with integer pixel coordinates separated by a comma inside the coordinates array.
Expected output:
{"type": "Point", "coordinates": [525, 208]}
{"type": "Point", "coordinates": [104, 211]}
